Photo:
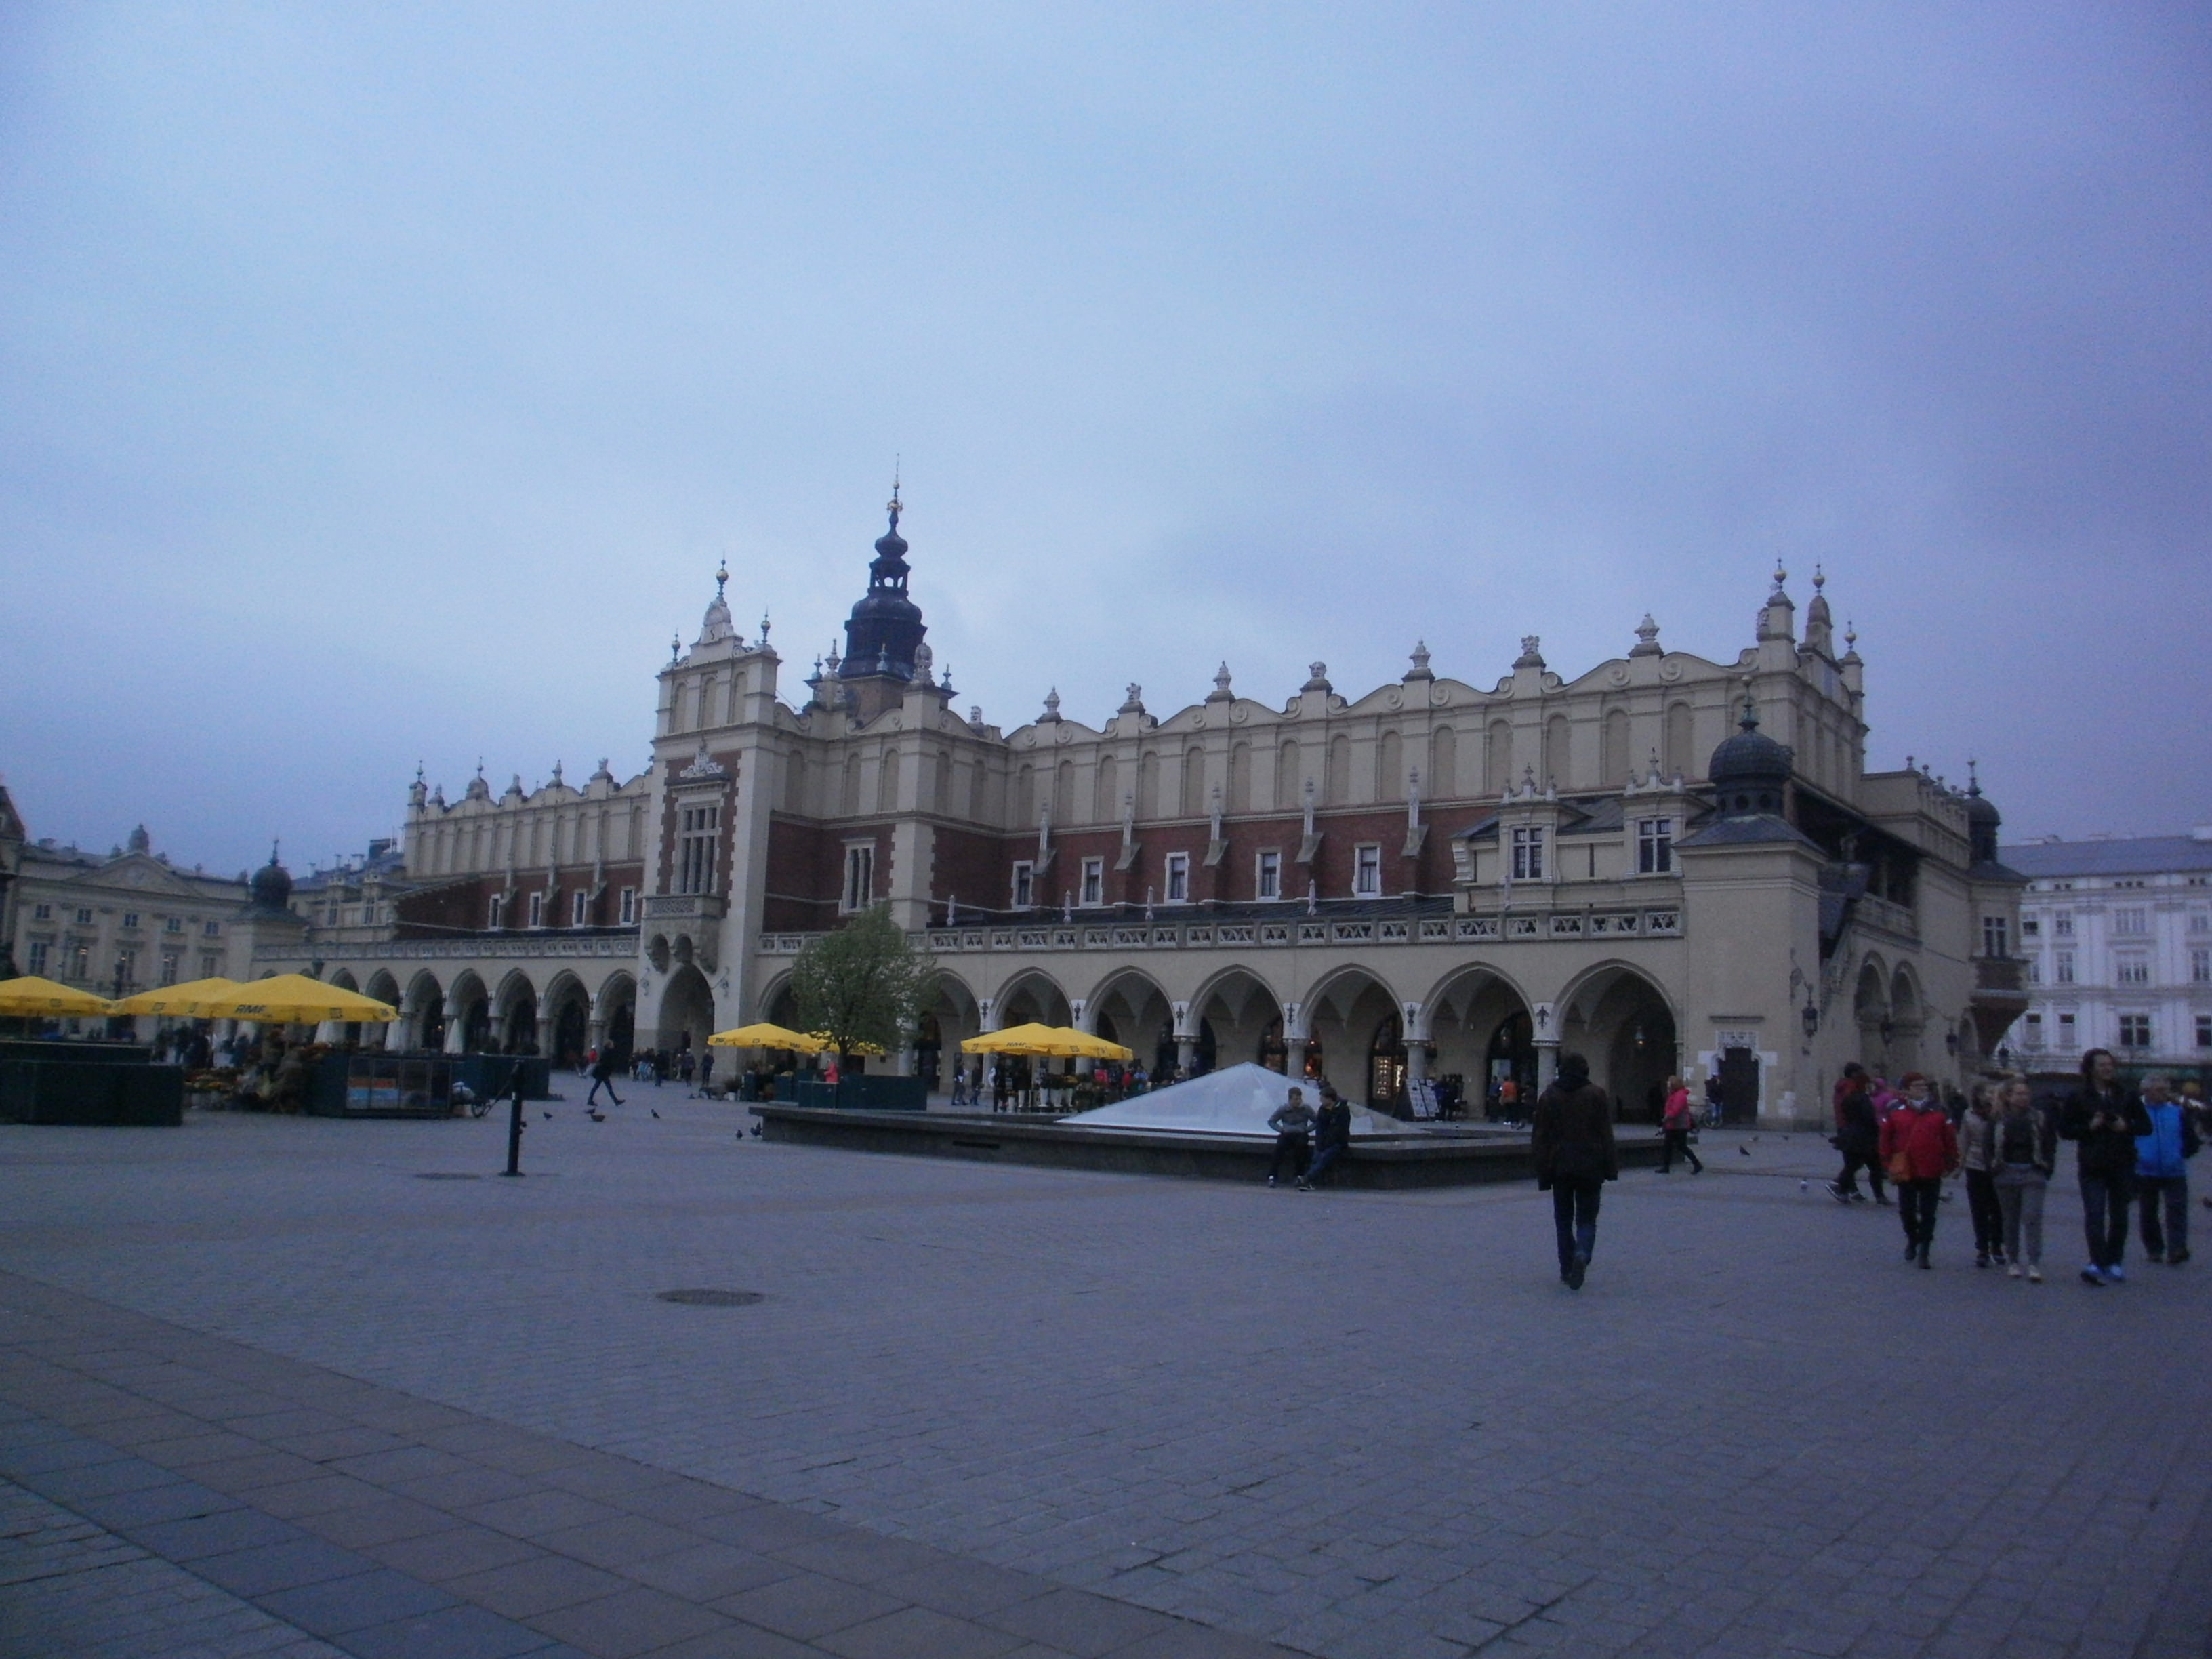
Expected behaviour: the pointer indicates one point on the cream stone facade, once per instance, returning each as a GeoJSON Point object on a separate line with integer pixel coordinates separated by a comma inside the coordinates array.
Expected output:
{"type": "Point", "coordinates": [1670, 861]}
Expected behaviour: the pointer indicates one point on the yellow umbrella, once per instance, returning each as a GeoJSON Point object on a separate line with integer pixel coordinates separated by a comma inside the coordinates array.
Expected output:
{"type": "Point", "coordinates": [184, 999]}
{"type": "Point", "coordinates": [1029, 1039]}
{"type": "Point", "coordinates": [294, 999]}
{"type": "Point", "coordinates": [823, 1038]}
{"type": "Point", "coordinates": [765, 1036]}
{"type": "Point", "coordinates": [32, 995]}
{"type": "Point", "coordinates": [1089, 1046]}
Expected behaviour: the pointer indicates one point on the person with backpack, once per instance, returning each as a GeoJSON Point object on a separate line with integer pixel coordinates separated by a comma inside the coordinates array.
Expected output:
{"type": "Point", "coordinates": [2024, 1154]}
{"type": "Point", "coordinates": [1919, 1147]}
{"type": "Point", "coordinates": [2163, 1170]}
{"type": "Point", "coordinates": [1677, 1117]}
{"type": "Point", "coordinates": [2103, 1121]}
{"type": "Point", "coordinates": [1858, 1137]}
{"type": "Point", "coordinates": [1571, 1138]}
{"type": "Point", "coordinates": [1977, 1128]}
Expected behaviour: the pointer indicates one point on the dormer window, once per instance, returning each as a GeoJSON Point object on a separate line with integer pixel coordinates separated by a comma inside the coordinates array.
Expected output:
{"type": "Point", "coordinates": [1528, 853]}
{"type": "Point", "coordinates": [1655, 846]}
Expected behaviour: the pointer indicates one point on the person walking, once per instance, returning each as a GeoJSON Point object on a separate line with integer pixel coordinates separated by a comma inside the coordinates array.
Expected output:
{"type": "Point", "coordinates": [2024, 1153]}
{"type": "Point", "coordinates": [1570, 1137]}
{"type": "Point", "coordinates": [603, 1077]}
{"type": "Point", "coordinates": [2103, 1121]}
{"type": "Point", "coordinates": [2163, 1170]}
{"type": "Point", "coordinates": [1677, 1117]}
{"type": "Point", "coordinates": [1977, 1130]}
{"type": "Point", "coordinates": [1292, 1123]}
{"type": "Point", "coordinates": [1858, 1138]}
{"type": "Point", "coordinates": [1920, 1147]}
{"type": "Point", "coordinates": [1331, 1136]}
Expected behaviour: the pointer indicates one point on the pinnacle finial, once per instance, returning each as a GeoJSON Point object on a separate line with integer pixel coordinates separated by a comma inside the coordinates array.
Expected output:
{"type": "Point", "coordinates": [764, 639]}
{"type": "Point", "coordinates": [721, 578]}
{"type": "Point", "coordinates": [1749, 720]}
{"type": "Point", "coordinates": [1819, 579]}
{"type": "Point", "coordinates": [892, 506]}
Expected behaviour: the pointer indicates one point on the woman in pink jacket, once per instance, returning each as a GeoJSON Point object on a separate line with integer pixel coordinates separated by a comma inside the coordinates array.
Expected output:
{"type": "Point", "coordinates": [1919, 1147]}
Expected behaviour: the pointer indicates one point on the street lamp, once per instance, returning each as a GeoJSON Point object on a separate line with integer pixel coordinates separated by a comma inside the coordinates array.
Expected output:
{"type": "Point", "coordinates": [1811, 1015]}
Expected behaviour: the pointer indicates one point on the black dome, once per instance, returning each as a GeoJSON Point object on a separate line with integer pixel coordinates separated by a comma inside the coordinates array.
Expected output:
{"type": "Point", "coordinates": [885, 626]}
{"type": "Point", "coordinates": [272, 885]}
{"type": "Point", "coordinates": [1983, 821]}
{"type": "Point", "coordinates": [1749, 770]}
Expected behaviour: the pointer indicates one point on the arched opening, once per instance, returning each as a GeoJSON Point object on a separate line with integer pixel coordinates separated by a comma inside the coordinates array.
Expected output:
{"type": "Point", "coordinates": [687, 1011]}
{"type": "Point", "coordinates": [516, 1020]}
{"type": "Point", "coordinates": [1343, 1014]}
{"type": "Point", "coordinates": [953, 1018]}
{"type": "Point", "coordinates": [468, 1011]}
{"type": "Point", "coordinates": [1870, 1012]}
{"type": "Point", "coordinates": [1621, 1022]}
{"type": "Point", "coordinates": [423, 1015]}
{"type": "Point", "coordinates": [1233, 1018]}
{"type": "Point", "coordinates": [385, 988]}
{"type": "Point", "coordinates": [1906, 1023]}
{"type": "Point", "coordinates": [1131, 1009]}
{"type": "Point", "coordinates": [1482, 1037]}
{"type": "Point", "coordinates": [615, 1014]}
{"type": "Point", "coordinates": [566, 1021]}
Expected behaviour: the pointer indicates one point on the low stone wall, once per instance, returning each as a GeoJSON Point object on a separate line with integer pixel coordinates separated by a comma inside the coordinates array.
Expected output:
{"type": "Point", "coordinates": [1426, 1160]}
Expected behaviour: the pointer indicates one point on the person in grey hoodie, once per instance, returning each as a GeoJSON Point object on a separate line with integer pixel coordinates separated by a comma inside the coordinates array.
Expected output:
{"type": "Point", "coordinates": [2024, 1153]}
{"type": "Point", "coordinates": [1292, 1123]}
{"type": "Point", "coordinates": [1978, 1156]}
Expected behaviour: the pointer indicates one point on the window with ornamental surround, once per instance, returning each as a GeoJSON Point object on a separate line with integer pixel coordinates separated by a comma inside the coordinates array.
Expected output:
{"type": "Point", "coordinates": [2133, 970]}
{"type": "Point", "coordinates": [2130, 922]}
{"type": "Point", "coordinates": [1178, 877]}
{"type": "Point", "coordinates": [2063, 962]}
{"type": "Point", "coordinates": [39, 948]}
{"type": "Point", "coordinates": [537, 910]}
{"type": "Point", "coordinates": [580, 908]}
{"type": "Point", "coordinates": [2062, 925]}
{"type": "Point", "coordinates": [2200, 966]}
{"type": "Point", "coordinates": [1094, 883]}
{"type": "Point", "coordinates": [1655, 846]}
{"type": "Point", "coordinates": [2204, 1030]}
{"type": "Point", "coordinates": [698, 829]}
{"type": "Point", "coordinates": [1997, 937]}
{"type": "Point", "coordinates": [1528, 853]}
{"type": "Point", "coordinates": [2066, 1032]}
{"type": "Point", "coordinates": [1025, 883]}
{"type": "Point", "coordinates": [2134, 1030]}
{"type": "Point", "coordinates": [492, 908]}
{"type": "Point", "coordinates": [1267, 874]}
{"type": "Point", "coordinates": [630, 907]}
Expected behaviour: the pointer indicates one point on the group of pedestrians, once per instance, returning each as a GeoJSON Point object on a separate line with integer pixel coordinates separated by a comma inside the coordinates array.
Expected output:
{"type": "Point", "coordinates": [2132, 1152]}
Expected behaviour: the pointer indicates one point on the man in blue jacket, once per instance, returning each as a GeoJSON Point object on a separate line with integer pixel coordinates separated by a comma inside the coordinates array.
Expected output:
{"type": "Point", "coordinates": [2162, 1171]}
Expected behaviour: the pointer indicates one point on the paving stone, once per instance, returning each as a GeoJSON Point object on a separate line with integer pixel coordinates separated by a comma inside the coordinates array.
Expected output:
{"type": "Point", "coordinates": [540, 1584]}
{"type": "Point", "coordinates": [630, 1622]}
{"type": "Point", "coordinates": [339, 1605]}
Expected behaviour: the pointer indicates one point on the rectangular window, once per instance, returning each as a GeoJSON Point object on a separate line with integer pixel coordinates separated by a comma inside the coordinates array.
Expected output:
{"type": "Point", "coordinates": [2063, 961]}
{"type": "Point", "coordinates": [1178, 878]}
{"type": "Point", "coordinates": [2066, 1032]}
{"type": "Point", "coordinates": [2129, 921]}
{"type": "Point", "coordinates": [2033, 1035]}
{"type": "Point", "coordinates": [1655, 846]}
{"type": "Point", "coordinates": [1025, 883]}
{"type": "Point", "coordinates": [39, 949]}
{"type": "Point", "coordinates": [212, 929]}
{"type": "Point", "coordinates": [173, 924]}
{"type": "Point", "coordinates": [1367, 871]}
{"type": "Point", "coordinates": [42, 912]}
{"type": "Point", "coordinates": [1094, 882]}
{"type": "Point", "coordinates": [2061, 886]}
{"type": "Point", "coordinates": [2133, 970]}
{"type": "Point", "coordinates": [1997, 937]}
{"type": "Point", "coordinates": [2204, 1030]}
{"type": "Point", "coordinates": [2035, 970]}
{"type": "Point", "coordinates": [698, 828]}
{"type": "Point", "coordinates": [168, 967]}
{"type": "Point", "coordinates": [629, 912]}
{"type": "Point", "coordinates": [2134, 1030]}
{"type": "Point", "coordinates": [860, 877]}
{"type": "Point", "coordinates": [1529, 854]}
{"type": "Point", "coordinates": [2200, 966]}
{"type": "Point", "coordinates": [537, 910]}
{"type": "Point", "coordinates": [84, 918]}
{"type": "Point", "coordinates": [580, 908]}
{"type": "Point", "coordinates": [2200, 921]}
{"type": "Point", "coordinates": [210, 965]}
{"type": "Point", "coordinates": [1268, 875]}
{"type": "Point", "coordinates": [497, 903]}
{"type": "Point", "coordinates": [80, 964]}
{"type": "Point", "coordinates": [2030, 927]}
{"type": "Point", "coordinates": [130, 919]}
{"type": "Point", "coordinates": [126, 967]}
{"type": "Point", "coordinates": [2062, 925]}
{"type": "Point", "coordinates": [2131, 882]}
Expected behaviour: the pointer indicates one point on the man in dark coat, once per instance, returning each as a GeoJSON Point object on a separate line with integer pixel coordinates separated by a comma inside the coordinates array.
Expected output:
{"type": "Point", "coordinates": [603, 1077]}
{"type": "Point", "coordinates": [1571, 1133]}
{"type": "Point", "coordinates": [2103, 1117]}
{"type": "Point", "coordinates": [1331, 1136]}
{"type": "Point", "coordinates": [1858, 1137]}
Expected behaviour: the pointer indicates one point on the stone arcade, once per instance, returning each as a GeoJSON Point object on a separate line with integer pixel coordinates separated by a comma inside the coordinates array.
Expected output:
{"type": "Point", "coordinates": [1669, 862]}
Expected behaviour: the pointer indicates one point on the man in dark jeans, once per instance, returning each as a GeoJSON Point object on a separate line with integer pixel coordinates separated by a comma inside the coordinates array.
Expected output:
{"type": "Point", "coordinates": [2103, 1120]}
{"type": "Point", "coordinates": [1570, 1135]}
{"type": "Point", "coordinates": [1291, 1121]}
{"type": "Point", "coordinates": [1331, 1135]}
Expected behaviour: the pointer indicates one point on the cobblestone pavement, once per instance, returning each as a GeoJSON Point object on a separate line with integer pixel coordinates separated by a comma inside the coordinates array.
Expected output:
{"type": "Point", "coordinates": [1351, 1424]}
{"type": "Point", "coordinates": [59, 1573]}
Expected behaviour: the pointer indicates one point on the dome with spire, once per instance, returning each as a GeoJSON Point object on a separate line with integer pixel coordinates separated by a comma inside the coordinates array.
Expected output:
{"type": "Point", "coordinates": [1749, 770]}
{"type": "Point", "coordinates": [1982, 819]}
{"type": "Point", "coordinates": [272, 884]}
{"type": "Point", "coordinates": [885, 626]}
{"type": "Point", "coordinates": [715, 625]}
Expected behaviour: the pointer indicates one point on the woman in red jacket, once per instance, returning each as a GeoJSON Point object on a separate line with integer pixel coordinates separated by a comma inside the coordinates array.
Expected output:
{"type": "Point", "coordinates": [1919, 1147]}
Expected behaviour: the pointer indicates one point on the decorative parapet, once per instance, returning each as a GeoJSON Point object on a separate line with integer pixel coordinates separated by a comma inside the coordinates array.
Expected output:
{"type": "Point", "coordinates": [685, 907]}
{"type": "Point", "coordinates": [502, 947]}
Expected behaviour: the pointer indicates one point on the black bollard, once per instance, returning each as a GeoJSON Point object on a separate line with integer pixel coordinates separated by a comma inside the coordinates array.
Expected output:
{"type": "Point", "coordinates": [514, 1134]}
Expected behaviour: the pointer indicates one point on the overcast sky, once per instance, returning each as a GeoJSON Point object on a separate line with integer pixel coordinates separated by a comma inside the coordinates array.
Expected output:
{"type": "Point", "coordinates": [382, 383]}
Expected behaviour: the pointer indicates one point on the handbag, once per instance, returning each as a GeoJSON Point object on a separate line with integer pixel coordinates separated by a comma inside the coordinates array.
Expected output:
{"type": "Point", "coordinates": [1899, 1166]}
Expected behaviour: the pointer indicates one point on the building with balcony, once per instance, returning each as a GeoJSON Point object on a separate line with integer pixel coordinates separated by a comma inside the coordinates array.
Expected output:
{"type": "Point", "coordinates": [1670, 861]}
{"type": "Point", "coordinates": [2116, 940]}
